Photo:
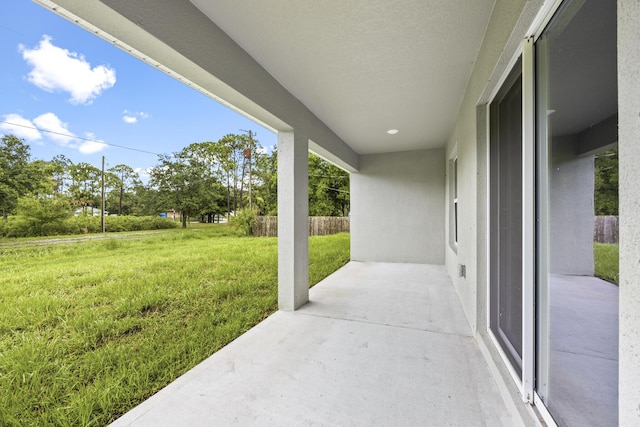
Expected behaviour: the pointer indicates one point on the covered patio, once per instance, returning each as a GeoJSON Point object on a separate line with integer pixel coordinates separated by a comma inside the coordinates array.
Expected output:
{"type": "Point", "coordinates": [378, 344]}
{"type": "Point", "coordinates": [412, 98]}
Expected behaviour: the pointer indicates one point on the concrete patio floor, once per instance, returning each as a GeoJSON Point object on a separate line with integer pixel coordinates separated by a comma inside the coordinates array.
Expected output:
{"type": "Point", "coordinates": [378, 344]}
{"type": "Point", "coordinates": [584, 351]}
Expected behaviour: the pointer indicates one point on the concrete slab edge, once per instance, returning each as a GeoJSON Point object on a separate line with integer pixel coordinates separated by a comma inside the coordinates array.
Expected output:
{"type": "Point", "coordinates": [521, 413]}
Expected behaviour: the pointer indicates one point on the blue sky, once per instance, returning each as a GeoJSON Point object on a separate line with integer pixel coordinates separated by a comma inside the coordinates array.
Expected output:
{"type": "Point", "coordinates": [56, 76]}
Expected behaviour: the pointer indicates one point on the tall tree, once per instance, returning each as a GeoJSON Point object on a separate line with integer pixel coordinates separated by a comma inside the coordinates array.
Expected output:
{"type": "Point", "coordinates": [123, 180]}
{"type": "Point", "coordinates": [230, 146]}
{"type": "Point", "coordinates": [85, 185]}
{"type": "Point", "coordinates": [328, 188]}
{"type": "Point", "coordinates": [186, 183]}
{"type": "Point", "coordinates": [236, 152]}
{"type": "Point", "coordinates": [266, 182]}
{"type": "Point", "coordinates": [148, 201]}
{"type": "Point", "coordinates": [18, 175]}
{"type": "Point", "coordinates": [58, 169]}
{"type": "Point", "coordinates": [606, 183]}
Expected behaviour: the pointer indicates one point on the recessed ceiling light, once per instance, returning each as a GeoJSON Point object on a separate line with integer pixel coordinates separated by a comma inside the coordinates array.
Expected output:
{"type": "Point", "coordinates": [392, 131]}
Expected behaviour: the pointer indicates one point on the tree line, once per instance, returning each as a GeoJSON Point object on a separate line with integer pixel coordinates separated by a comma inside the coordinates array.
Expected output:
{"type": "Point", "coordinates": [202, 179]}
{"type": "Point", "coordinates": [606, 182]}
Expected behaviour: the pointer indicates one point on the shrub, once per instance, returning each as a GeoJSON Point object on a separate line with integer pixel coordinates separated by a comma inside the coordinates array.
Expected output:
{"type": "Point", "coordinates": [83, 224]}
{"type": "Point", "coordinates": [16, 227]}
{"type": "Point", "coordinates": [43, 216]}
{"type": "Point", "coordinates": [244, 221]}
{"type": "Point", "coordinates": [32, 226]}
{"type": "Point", "coordinates": [137, 223]}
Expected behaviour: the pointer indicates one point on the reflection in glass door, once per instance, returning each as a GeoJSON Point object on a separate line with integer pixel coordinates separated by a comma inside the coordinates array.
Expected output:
{"type": "Point", "coordinates": [577, 313]}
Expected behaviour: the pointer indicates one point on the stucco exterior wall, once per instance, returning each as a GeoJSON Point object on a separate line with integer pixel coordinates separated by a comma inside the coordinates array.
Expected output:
{"type": "Point", "coordinates": [397, 207]}
{"type": "Point", "coordinates": [571, 222]}
{"type": "Point", "coordinates": [629, 155]}
{"type": "Point", "coordinates": [507, 29]}
{"type": "Point", "coordinates": [505, 33]}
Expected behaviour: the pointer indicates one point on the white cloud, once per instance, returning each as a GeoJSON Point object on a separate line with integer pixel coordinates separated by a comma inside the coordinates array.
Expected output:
{"type": "Point", "coordinates": [19, 126]}
{"type": "Point", "coordinates": [132, 116]}
{"type": "Point", "coordinates": [53, 129]}
{"type": "Point", "coordinates": [263, 150]}
{"type": "Point", "coordinates": [90, 147]}
{"type": "Point", "coordinates": [144, 173]}
{"type": "Point", "coordinates": [56, 69]}
{"type": "Point", "coordinates": [56, 129]}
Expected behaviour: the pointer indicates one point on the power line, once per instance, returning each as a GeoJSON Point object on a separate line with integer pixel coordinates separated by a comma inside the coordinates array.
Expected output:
{"type": "Point", "coordinates": [13, 30]}
{"type": "Point", "coordinates": [80, 137]}
{"type": "Point", "coordinates": [330, 176]}
{"type": "Point", "coordinates": [333, 189]}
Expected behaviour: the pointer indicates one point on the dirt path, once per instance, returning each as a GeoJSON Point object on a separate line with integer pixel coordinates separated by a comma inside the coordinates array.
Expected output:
{"type": "Point", "coordinates": [74, 239]}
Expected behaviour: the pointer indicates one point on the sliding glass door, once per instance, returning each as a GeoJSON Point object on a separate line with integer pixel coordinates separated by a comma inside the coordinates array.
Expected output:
{"type": "Point", "coordinates": [505, 181]}
{"type": "Point", "coordinates": [553, 319]}
{"type": "Point", "coordinates": [576, 103]}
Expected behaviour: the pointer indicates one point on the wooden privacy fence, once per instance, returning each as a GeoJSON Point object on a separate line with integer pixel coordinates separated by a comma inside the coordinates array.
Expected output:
{"type": "Point", "coordinates": [605, 229]}
{"type": "Point", "coordinates": [267, 226]}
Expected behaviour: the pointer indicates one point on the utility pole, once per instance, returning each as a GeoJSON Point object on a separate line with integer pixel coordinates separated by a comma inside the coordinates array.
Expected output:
{"type": "Point", "coordinates": [103, 204]}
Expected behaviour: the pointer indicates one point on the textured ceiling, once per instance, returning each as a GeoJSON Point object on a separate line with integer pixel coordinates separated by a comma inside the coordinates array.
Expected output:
{"type": "Point", "coordinates": [365, 66]}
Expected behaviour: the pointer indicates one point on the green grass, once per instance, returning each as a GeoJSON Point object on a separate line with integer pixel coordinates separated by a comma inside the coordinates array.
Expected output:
{"type": "Point", "coordinates": [90, 329]}
{"type": "Point", "coordinates": [606, 261]}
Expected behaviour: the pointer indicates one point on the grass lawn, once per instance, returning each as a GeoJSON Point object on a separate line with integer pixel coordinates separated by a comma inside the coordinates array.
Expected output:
{"type": "Point", "coordinates": [90, 329]}
{"type": "Point", "coordinates": [606, 262]}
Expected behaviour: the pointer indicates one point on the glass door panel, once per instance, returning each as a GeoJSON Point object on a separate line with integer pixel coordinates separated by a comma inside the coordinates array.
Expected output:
{"type": "Point", "coordinates": [577, 313]}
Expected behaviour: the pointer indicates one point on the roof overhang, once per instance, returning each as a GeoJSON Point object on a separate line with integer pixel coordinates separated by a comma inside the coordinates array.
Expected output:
{"type": "Point", "coordinates": [342, 73]}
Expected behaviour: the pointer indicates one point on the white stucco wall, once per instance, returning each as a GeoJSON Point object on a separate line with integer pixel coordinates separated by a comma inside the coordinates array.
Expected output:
{"type": "Point", "coordinates": [397, 207]}
{"type": "Point", "coordinates": [506, 31]}
{"type": "Point", "coordinates": [571, 222]}
{"type": "Point", "coordinates": [629, 155]}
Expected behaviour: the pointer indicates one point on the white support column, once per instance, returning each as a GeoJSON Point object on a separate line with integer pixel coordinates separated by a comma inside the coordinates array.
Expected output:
{"type": "Point", "coordinates": [293, 213]}
{"type": "Point", "coordinates": [629, 199]}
